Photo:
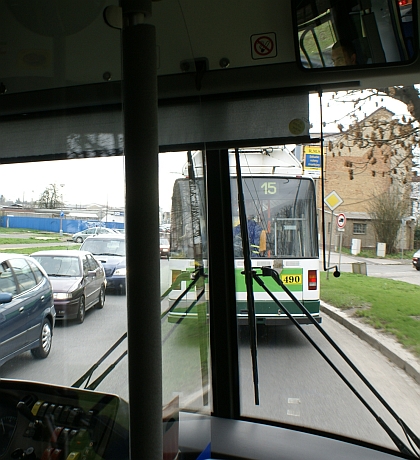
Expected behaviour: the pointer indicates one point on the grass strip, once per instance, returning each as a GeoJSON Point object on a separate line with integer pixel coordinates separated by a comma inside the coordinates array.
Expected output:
{"type": "Point", "coordinates": [388, 305]}
{"type": "Point", "coordinates": [30, 240]}
{"type": "Point", "coordinates": [29, 251]}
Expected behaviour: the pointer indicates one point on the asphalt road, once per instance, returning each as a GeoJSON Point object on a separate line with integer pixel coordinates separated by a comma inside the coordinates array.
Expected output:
{"type": "Point", "coordinates": [295, 385]}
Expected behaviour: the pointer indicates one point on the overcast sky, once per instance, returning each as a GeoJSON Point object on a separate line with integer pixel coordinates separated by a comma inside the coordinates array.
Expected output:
{"type": "Point", "coordinates": [84, 181]}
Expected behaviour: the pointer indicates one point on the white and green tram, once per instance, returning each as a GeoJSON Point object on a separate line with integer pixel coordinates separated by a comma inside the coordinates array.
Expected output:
{"type": "Point", "coordinates": [281, 213]}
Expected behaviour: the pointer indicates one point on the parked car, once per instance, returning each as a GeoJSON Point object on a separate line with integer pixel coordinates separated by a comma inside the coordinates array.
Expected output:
{"type": "Point", "coordinates": [27, 314]}
{"type": "Point", "coordinates": [77, 279]}
{"type": "Point", "coordinates": [416, 260]}
{"type": "Point", "coordinates": [79, 237]}
{"type": "Point", "coordinates": [164, 247]}
{"type": "Point", "coordinates": [109, 250]}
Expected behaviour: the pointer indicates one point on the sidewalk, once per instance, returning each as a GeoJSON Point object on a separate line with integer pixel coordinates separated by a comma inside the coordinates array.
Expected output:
{"type": "Point", "coordinates": [344, 259]}
{"type": "Point", "coordinates": [384, 343]}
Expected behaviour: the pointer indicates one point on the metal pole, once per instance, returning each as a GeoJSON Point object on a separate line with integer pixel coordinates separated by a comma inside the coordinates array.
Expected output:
{"type": "Point", "coordinates": [141, 148]}
{"type": "Point", "coordinates": [339, 253]}
{"type": "Point", "coordinates": [329, 249]}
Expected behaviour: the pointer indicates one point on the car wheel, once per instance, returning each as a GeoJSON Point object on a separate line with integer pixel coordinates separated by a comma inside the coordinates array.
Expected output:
{"type": "Point", "coordinates": [101, 300]}
{"type": "Point", "coordinates": [45, 341]}
{"type": "Point", "coordinates": [81, 311]}
{"type": "Point", "coordinates": [79, 239]}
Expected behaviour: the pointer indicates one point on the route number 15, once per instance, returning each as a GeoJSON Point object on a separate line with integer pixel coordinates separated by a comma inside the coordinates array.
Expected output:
{"type": "Point", "coordinates": [269, 188]}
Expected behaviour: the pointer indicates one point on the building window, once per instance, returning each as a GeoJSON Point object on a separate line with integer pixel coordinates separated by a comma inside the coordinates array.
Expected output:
{"type": "Point", "coordinates": [359, 229]}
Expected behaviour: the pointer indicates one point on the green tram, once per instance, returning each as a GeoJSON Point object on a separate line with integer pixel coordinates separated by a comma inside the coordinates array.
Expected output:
{"type": "Point", "coordinates": [283, 235]}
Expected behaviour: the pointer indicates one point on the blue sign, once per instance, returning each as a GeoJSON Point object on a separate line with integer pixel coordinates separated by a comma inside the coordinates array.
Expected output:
{"type": "Point", "coordinates": [312, 160]}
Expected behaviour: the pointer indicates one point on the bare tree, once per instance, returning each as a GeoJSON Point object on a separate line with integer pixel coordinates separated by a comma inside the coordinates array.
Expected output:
{"type": "Point", "coordinates": [387, 210]}
{"type": "Point", "coordinates": [50, 198]}
{"type": "Point", "coordinates": [391, 140]}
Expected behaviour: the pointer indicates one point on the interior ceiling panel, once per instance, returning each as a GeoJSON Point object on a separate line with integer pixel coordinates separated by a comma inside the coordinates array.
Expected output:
{"type": "Point", "coordinates": [203, 46]}
{"type": "Point", "coordinates": [49, 44]}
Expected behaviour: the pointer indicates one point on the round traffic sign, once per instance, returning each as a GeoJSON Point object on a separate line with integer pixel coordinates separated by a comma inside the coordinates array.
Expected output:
{"type": "Point", "coordinates": [341, 220]}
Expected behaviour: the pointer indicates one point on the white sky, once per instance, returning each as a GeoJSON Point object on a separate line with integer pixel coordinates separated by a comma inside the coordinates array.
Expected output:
{"type": "Point", "coordinates": [334, 110]}
{"type": "Point", "coordinates": [101, 180]}
{"type": "Point", "coordinates": [84, 181]}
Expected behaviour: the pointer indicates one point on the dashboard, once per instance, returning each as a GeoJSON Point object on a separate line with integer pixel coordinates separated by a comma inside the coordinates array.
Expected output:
{"type": "Point", "coordinates": [40, 422]}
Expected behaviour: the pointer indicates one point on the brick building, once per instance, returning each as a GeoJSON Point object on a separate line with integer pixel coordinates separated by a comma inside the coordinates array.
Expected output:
{"type": "Point", "coordinates": [361, 163]}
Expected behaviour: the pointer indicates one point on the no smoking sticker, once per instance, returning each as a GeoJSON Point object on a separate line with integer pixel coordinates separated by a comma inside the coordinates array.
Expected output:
{"type": "Point", "coordinates": [263, 46]}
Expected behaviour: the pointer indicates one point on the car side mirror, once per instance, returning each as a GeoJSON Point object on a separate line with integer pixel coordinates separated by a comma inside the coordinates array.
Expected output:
{"type": "Point", "coordinates": [5, 297]}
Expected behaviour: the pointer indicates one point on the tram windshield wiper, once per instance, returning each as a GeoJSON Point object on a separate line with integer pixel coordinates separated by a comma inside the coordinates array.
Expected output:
{"type": "Point", "coordinates": [410, 435]}
{"type": "Point", "coordinates": [87, 375]}
{"type": "Point", "coordinates": [248, 277]}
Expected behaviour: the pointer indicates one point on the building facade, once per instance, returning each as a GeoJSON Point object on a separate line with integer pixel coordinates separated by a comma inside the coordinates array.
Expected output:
{"type": "Point", "coordinates": [361, 163]}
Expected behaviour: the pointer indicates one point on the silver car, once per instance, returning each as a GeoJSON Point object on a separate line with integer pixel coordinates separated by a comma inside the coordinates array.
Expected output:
{"type": "Point", "coordinates": [79, 237]}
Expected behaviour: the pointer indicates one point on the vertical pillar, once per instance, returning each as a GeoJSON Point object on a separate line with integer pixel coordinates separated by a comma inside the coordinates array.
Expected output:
{"type": "Point", "coordinates": [223, 325]}
{"type": "Point", "coordinates": [142, 230]}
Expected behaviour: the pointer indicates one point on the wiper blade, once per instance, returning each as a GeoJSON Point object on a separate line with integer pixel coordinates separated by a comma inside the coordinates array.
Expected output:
{"type": "Point", "coordinates": [412, 438]}
{"type": "Point", "coordinates": [248, 277]}
{"type": "Point", "coordinates": [87, 375]}
{"type": "Point", "coordinates": [108, 254]}
{"type": "Point", "coordinates": [94, 384]}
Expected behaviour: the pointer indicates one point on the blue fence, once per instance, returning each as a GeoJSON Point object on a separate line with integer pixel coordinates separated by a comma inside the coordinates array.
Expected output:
{"type": "Point", "coordinates": [54, 224]}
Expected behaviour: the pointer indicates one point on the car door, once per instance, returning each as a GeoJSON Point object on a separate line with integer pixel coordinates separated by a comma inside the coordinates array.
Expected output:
{"type": "Point", "coordinates": [31, 295]}
{"type": "Point", "coordinates": [89, 281]}
{"type": "Point", "coordinates": [99, 275]}
{"type": "Point", "coordinates": [89, 232]}
{"type": "Point", "coordinates": [13, 317]}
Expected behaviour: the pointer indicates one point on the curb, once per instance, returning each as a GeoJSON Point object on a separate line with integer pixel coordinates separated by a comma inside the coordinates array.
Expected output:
{"type": "Point", "coordinates": [381, 342]}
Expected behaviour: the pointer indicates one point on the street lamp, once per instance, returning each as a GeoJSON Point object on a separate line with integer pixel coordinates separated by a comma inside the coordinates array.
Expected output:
{"type": "Point", "coordinates": [61, 212]}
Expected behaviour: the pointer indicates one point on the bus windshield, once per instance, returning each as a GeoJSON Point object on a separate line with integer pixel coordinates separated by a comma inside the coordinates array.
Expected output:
{"type": "Point", "coordinates": [281, 217]}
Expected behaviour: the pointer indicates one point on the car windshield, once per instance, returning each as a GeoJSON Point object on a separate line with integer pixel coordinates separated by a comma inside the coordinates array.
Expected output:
{"type": "Point", "coordinates": [59, 265]}
{"type": "Point", "coordinates": [99, 246]}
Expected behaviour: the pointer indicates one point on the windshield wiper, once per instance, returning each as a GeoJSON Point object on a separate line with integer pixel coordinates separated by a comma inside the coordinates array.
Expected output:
{"type": "Point", "coordinates": [410, 435]}
{"type": "Point", "coordinates": [108, 254]}
{"type": "Point", "coordinates": [248, 277]}
{"type": "Point", "coordinates": [87, 375]}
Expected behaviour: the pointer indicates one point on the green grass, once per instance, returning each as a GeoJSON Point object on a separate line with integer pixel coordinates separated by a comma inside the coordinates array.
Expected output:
{"type": "Point", "coordinates": [371, 254]}
{"type": "Point", "coordinates": [389, 305]}
{"type": "Point", "coordinates": [30, 240]}
{"type": "Point", "coordinates": [33, 249]}
{"type": "Point", "coordinates": [24, 230]}
{"type": "Point", "coordinates": [36, 236]}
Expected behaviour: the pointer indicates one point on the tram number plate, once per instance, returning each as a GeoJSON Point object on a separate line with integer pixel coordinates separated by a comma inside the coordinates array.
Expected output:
{"type": "Point", "coordinates": [291, 279]}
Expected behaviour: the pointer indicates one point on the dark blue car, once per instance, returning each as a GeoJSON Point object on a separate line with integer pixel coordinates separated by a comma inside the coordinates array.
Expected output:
{"type": "Point", "coordinates": [110, 251]}
{"type": "Point", "coordinates": [27, 314]}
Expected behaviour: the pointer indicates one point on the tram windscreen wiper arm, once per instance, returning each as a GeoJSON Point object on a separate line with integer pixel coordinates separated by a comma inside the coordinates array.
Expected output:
{"type": "Point", "coordinates": [411, 436]}
{"type": "Point", "coordinates": [87, 375]}
{"type": "Point", "coordinates": [248, 277]}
